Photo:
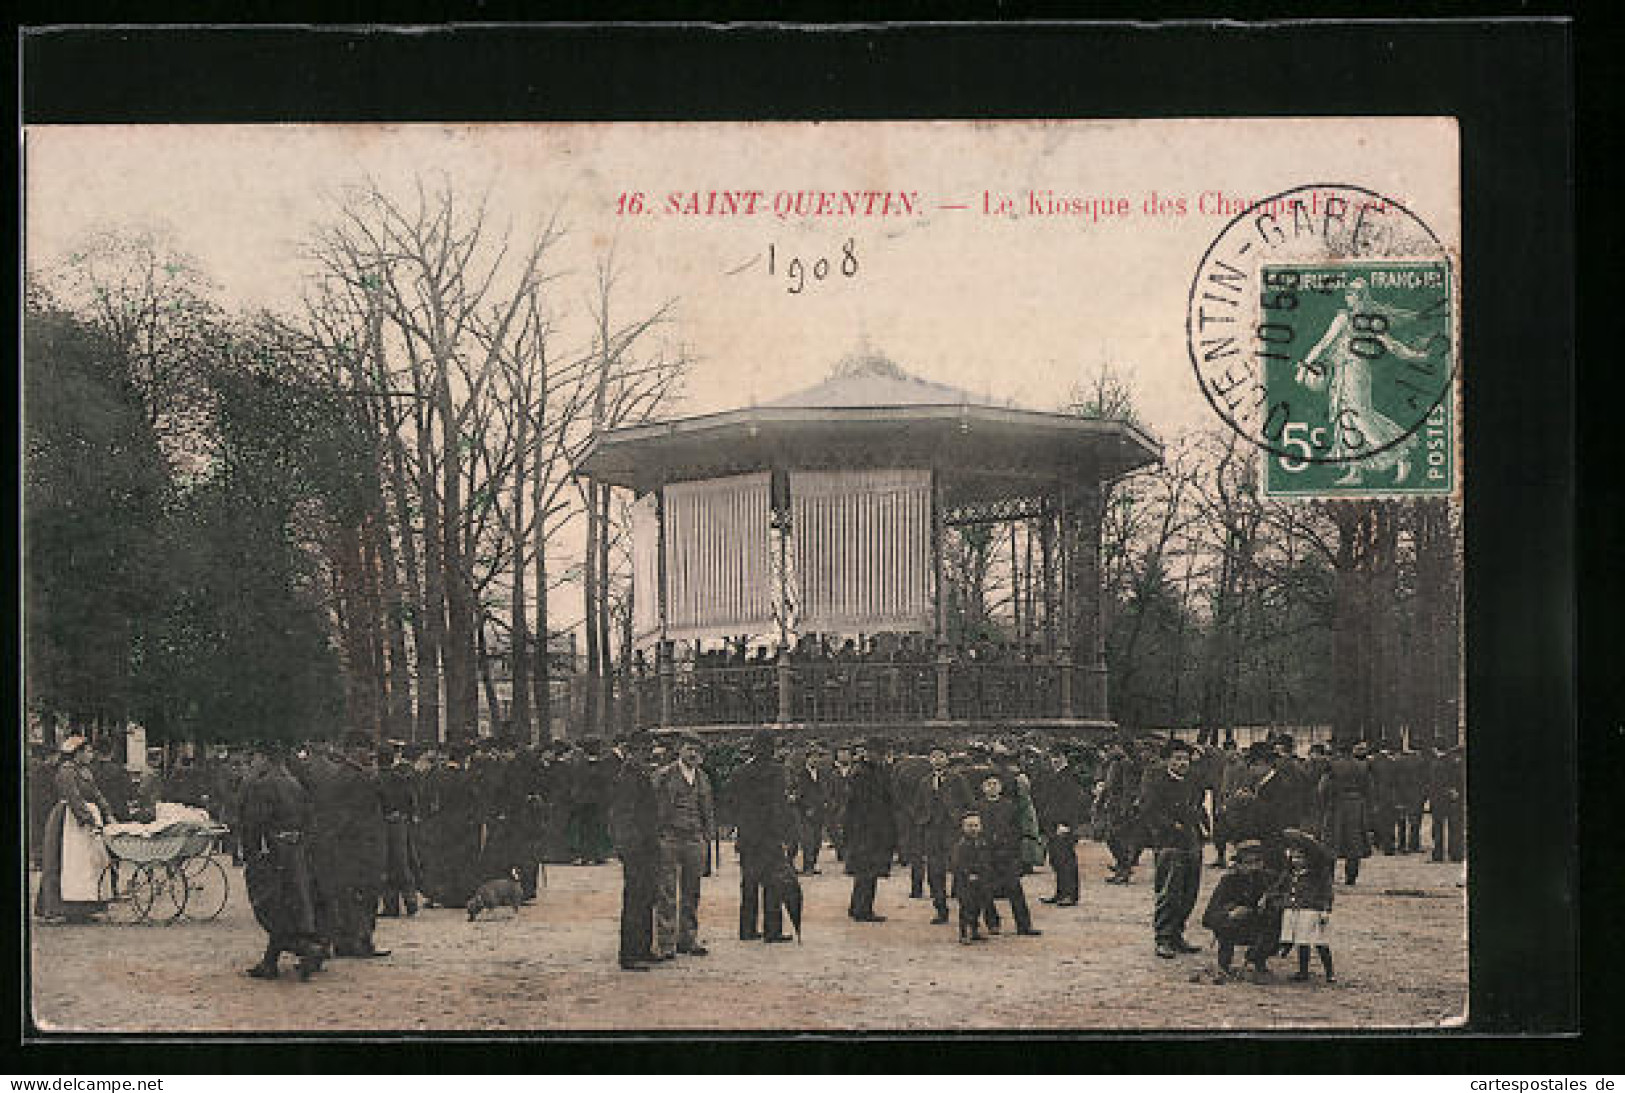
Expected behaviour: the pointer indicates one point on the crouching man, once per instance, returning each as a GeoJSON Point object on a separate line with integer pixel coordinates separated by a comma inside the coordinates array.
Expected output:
{"type": "Point", "coordinates": [1240, 915]}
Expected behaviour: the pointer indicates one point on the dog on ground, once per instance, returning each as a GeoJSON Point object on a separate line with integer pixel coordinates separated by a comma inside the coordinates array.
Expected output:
{"type": "Point", "coordinates": [502, 892]}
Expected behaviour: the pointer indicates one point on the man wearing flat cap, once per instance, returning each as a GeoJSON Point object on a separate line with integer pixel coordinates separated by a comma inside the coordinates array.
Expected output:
{"type": "Point", "coordinates": [761, 809]}
{"type": "Point", "coordinates": [686, 819]}
{"type": "Point", "coordinates": [1169, 812]}
{"type": "Point", "coordinates": [1239, 913]}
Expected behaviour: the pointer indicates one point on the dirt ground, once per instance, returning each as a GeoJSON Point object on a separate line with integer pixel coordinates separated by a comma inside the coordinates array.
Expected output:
{"type": "Point", "coordinates": [1400, 948]}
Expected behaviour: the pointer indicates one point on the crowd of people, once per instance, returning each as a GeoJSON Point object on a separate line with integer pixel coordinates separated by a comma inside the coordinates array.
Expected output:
{"type": "Point", "coordinates": [332, 836]}
{"type": "Point", "coordinates": [884, 678]}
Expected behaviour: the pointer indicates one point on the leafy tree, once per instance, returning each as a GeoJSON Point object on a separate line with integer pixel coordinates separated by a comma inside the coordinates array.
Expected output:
{"type": "Point", "coordinates": [94, 489]}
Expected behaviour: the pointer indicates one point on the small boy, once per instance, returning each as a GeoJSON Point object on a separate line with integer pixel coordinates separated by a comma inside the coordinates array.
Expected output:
{"type": "Point", "coordinates": [1307, 887]}
{"type": "Point", "coordinates": [1238, 914]}
{"type": "Point", "coordinates": [972, 869]}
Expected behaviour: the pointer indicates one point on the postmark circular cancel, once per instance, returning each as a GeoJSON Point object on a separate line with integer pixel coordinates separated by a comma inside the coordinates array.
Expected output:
{"type": "Point", "coordinates": [1321, 327]}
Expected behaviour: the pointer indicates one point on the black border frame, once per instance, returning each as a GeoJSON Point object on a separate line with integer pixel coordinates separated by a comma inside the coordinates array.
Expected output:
{"type": "Point", "coordinates": [1509, 83]}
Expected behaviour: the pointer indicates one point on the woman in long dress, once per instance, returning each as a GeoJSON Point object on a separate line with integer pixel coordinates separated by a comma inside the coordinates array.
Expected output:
{"type": "Point", "coordinates": [1361, 434]}
{"type": "Point", "coordinates": [74, 854]}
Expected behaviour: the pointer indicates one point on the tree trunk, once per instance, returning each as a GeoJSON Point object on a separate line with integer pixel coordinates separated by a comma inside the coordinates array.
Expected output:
{"type": "Point", "coordinates": [430, 654]}
{"type": "Point", "coordinates": [459, 610]}
{"type": "Point", "coordinates": [398, 718]}
{"type": "Point", "coordinates": [606, 664]}
{"type": "Point", "coordinates": [589, 592]}
{"type": "Point", "coordinates": [518, 653]}
{"type": "Point", "coordinates": [377, 679]}
{"type": "Point", "coordinates": [542, 679]}
{"type": "Point", "coordinates": [500, 726]}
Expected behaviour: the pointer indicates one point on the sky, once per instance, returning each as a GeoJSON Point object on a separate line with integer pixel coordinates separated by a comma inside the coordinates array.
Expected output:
{"type": "Point", "coordinates": [1017, 307]}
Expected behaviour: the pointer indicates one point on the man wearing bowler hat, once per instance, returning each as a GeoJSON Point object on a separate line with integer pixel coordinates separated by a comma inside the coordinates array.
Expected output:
{"type": "Point", "coordinates": [633, 826]}
{"type": "Point", "coordinates": [761, 808]}
{"type": "Point", "coordinates": [871, 837]}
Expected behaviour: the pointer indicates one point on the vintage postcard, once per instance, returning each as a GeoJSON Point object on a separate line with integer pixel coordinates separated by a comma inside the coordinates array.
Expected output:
{"type": "Point", "coordinates": [833, 577]}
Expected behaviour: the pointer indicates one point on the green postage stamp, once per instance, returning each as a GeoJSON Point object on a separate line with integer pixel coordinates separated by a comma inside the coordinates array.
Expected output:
{"type": "Point", "coordinates": [1358, 366]}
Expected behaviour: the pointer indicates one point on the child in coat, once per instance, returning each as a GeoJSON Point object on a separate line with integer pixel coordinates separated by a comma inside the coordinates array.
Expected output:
{"type": "Point", "coordinates": [1306, 889]}
{"type": "Point", "coordinates": [973, 869]}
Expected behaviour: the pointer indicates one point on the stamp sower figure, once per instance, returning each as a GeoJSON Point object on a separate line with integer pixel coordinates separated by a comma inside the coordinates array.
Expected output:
{"type": "Point", "coordinates": [1168, 810]}
{"type": "Point", "coordinates": [761, 810]}
{"type": "Point", "coordinates": [686, 818]}
{"type": "Point", "coordinates": [1058, 796]}
{"type": "Point", "coordinates": [275, 814]}
{"type": "Point", "coordinates": [940, 799]}
{"type": "Point", "coordinates": [1239, 914]}
{"type": "Point", "coordinates": [73, 855]}
{"type": "Point", "coordinates": [633, 825]}
{"type": "Point", "coordinates": [1360, 433]}
{"type": "Point", "coordinates": [870, 836]}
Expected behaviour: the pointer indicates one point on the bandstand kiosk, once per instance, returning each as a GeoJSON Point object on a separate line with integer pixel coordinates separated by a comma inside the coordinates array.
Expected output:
{"type": "Point", "coordinates": [824, 513]}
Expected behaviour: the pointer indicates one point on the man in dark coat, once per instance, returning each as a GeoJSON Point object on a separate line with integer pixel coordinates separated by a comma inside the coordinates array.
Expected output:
{"type": "Point", "coordinates": [761, 810]}
{"type": "Point", "coordinates": [1385, 810]}
{"type": "Point", "coordinates": [41, 799]}
{"type": "Point", "coordinates": [348, 849]}
{"type": "Point", "coordinates": [1001, 819]}
{"type": "Point", "coordinates": [871, 837]}
{"type": "Point", "coordinates": [906, 773]}
{"type": "Point", "coordinates": [1279, 795]}
{"type": "Point", "coordinates": [1169, 812]}
{"type": "Point", "coordinates": [276, 817]}
{"type": "Point", "coordinates": [809, 795]}
{"type": "Point", "coordinates": [840, 785]}
{"type": "Point", "coordinates": [1345, 790]}
{"type": "Point", "coordinates": [1058, 796]}
{"type": "Point", "coordinates": [632, 824]}
{"type": "Point", "coordinates": [527, 787]}
{"type": "Point", "coordinates": [113, 779]}
{"type": "Point", "coordinates": [940, 801]}
{"type": "Point", "coordinates": [1233, 777]}
{"type": "Point", "coordinates": [1446, 787]}
{"type": "Point", "coordinates": [1119, 804]}
{"type": "Point", "coordinates": [1410, 776]}
{"type": "Point", "coordinates": [591, 775]}
{"type": "Point", "coordinates": [1239, 914]}
{"type": "Point", "coordinates": [188, 785]}
{"type": "Point", "coordinates": [398, 788]}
